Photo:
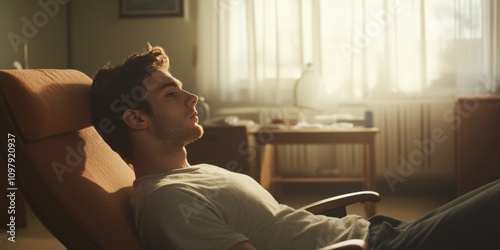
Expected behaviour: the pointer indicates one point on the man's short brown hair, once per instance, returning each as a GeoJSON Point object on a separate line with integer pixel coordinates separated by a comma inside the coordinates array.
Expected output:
{"type": "Point", "coordinates": [116, 89]}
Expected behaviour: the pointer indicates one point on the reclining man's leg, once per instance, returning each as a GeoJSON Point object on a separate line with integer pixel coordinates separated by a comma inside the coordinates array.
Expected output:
{"type": "Point", "coordinates": [472, 221]}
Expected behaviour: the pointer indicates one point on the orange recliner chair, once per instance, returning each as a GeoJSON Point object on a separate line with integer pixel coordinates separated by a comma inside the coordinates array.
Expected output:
{"type": "Point", "coordinates": [77, 186]}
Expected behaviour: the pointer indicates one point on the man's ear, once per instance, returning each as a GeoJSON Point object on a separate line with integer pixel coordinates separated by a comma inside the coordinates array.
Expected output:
{"type": "Point", "coordinates": [134, 119]}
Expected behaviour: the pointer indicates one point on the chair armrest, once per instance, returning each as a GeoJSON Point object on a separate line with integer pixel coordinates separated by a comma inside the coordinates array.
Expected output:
{"type": "Point", "coordinates": [347, 245]}
{"type": "Point", "coordinates": [335, 206]}
{"type": "Point", "coordinates": [340, 201]}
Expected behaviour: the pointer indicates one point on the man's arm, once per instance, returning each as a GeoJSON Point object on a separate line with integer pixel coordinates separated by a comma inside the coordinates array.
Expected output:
{"type": "Point", "coordinates": [244, 245]}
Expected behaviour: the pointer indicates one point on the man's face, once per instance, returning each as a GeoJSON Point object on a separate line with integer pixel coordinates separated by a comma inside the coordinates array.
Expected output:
{"type": "Point", "coordinates": [174, 120]}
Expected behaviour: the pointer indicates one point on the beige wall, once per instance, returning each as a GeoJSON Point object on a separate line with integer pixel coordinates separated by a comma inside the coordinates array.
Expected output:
{"type": "Point", "coordinates": [99, 35]}
{"type": "Point", "coordinates": [46, 35]}
{"type": "Point", "coordinates": [497, 57]}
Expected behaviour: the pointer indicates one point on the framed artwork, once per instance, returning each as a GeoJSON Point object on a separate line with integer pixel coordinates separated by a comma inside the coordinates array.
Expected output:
{"type": "Point", "coordinates": [151, 8]}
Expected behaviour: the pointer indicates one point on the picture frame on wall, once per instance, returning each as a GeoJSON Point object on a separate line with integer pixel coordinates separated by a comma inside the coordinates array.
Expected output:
{"type": "Point", "coordinates": [151, 8]}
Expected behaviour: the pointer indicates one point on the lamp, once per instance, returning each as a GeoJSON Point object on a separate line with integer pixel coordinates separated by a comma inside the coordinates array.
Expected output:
{"type": "Point", "coordinates": [308, 90]}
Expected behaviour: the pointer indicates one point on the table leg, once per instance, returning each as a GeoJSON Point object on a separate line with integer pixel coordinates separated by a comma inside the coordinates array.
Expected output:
{"type": "Point", "coordinates": [369, 171]}
{"type": "Point", "coordinates": [268, 171]}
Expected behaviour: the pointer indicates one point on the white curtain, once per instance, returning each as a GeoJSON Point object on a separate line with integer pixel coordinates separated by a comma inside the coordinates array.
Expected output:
{"type": "Point", "coordinates": [251, 52]}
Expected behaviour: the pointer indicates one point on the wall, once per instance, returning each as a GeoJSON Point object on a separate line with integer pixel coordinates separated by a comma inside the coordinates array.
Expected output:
{"type": "Point", "coordinates": [497, 57]}
{"type": "Point", "coordinates": [99, 35]}
{"type": "Point", "coordinates": [45, 32]}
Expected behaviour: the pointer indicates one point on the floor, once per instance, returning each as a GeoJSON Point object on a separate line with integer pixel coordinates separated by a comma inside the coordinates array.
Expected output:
{"type": "Point", "coordinates": [409, 202]}
{"type": "Point", "coordinates": [33, 236]}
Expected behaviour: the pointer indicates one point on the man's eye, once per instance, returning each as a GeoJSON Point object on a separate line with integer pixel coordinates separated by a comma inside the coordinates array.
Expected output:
{"type": "Point", "coordinates": [170, 94]}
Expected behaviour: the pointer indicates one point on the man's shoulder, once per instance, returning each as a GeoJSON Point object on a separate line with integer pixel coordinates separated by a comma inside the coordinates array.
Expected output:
{"type": "Point", "coordinates": [188, 183]}
{"type": "Point", "coordinates": [165, 185]}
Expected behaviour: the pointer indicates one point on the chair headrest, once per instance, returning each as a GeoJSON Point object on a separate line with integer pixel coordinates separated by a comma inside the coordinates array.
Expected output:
{"type": "Point", "coordinates": [47, 102]}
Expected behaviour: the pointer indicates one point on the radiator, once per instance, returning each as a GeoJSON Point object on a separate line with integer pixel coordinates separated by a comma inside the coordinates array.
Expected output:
{"type": "Point", "coordinates": [416, 138]}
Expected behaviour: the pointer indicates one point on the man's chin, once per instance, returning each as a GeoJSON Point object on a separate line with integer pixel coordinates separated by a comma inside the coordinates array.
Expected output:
{"type": "Point", "coordinates": [198, 135]}
{"type": "Point", "coordinates": [202, 131]}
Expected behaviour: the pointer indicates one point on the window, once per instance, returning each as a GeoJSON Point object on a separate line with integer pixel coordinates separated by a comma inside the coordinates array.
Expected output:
{"type": "Point", "coordinates": [253, 52]}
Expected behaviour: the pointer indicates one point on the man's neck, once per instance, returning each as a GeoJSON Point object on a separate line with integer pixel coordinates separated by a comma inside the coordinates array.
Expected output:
{"type": "Point", "coordinates": [152, 163]}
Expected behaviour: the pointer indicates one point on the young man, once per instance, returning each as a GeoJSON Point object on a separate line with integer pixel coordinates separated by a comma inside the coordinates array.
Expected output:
{"type": "Point", "coordinates": [205, 207]}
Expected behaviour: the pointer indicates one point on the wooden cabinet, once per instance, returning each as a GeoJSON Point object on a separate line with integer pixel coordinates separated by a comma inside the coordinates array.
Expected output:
{"type": "Point", "coordinates": [478, 141]}
{"type": "Point", "coordinates": [224, 146]}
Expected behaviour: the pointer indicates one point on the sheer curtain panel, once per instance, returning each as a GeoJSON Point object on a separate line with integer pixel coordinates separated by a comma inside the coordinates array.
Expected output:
{"type": "Point", "coordinates": [251, 52]}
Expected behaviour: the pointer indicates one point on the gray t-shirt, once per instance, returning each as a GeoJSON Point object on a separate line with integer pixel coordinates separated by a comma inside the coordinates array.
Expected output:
{"type": "Point", "coordinates": [207, 207]}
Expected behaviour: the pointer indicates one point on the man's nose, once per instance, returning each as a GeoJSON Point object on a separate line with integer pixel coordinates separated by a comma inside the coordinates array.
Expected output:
{"type": "Point", "coordinates": [193, 99]}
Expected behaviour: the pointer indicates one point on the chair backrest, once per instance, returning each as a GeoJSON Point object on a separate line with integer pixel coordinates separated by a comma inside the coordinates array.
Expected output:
{"type": "Point", "coordinates": [76, 185]}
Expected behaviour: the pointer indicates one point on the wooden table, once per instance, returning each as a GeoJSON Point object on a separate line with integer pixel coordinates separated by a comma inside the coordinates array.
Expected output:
{"type": "Point", "coordinates": [270, 177]}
